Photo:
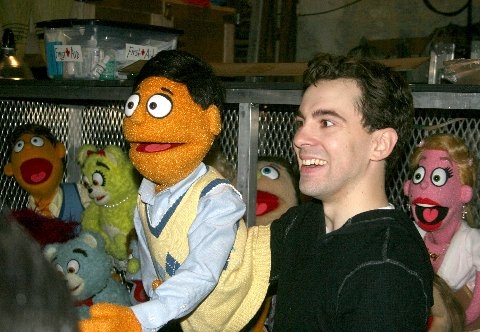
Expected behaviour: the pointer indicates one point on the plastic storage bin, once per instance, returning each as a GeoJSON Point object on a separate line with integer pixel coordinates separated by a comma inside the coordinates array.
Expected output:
{"type": "Point", "coordinates": [97, 49]}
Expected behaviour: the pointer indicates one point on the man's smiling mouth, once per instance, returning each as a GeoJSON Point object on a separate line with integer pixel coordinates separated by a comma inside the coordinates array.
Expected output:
{"type": "Point", "coordinates": [316, 162]}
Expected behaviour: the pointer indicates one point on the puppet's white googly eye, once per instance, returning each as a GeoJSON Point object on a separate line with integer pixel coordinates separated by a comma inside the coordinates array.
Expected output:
{"type": "Point", "coordinates": [439, 177]}
{"type": "Point", "coordinates": [270, 172]}
{"type": "Point", "coordinates": [97, 178]}
{"type": "Point", "coordinates": [159, 106]}
{"type": "Point", "coordinates": [73, 266]}
{"type": "Point", "coordinates": [131, 104]}
{"type": "Point", "coordinates": [19, 146]}
{"type": "Point", "coordinates": [418, 175]}
{"type": "Point", "coordinates": [37, 141]}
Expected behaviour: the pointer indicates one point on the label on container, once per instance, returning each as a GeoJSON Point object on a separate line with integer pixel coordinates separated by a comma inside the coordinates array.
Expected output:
{"type": "Point", "coordinates": [54, 68]}
{"type": "Point", "coordinates": [139, 52]}
{"type": "Point", "coordinates": [70, 53]}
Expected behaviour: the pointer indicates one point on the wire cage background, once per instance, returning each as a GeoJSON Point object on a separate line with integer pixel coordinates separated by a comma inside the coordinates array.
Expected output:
{"type": "Point", "coordinates": [100, 125]}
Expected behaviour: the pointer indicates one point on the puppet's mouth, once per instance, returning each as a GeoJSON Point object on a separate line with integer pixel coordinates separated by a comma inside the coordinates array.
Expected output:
{"type": "Point", "coordinates": [266, 202]}
{"type": "Point", "coordinates": [156, 147]}
{"type": "Point", "coordinates": [430, 216]}
{"type": "Point", "coordinates": [36, 170]}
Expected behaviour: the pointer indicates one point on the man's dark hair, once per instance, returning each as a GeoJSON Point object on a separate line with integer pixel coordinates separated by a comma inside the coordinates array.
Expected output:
{"type": "Point", "coordinates": [386, 100]}
{"type": "Point", "coordinates": [204, 86]}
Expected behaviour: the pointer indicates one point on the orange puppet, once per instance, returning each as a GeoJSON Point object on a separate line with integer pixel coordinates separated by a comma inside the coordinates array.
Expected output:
{"type": "Point", "coordinates": [200, 264]}
{"type": "Point", "coordinates": [36, 162]}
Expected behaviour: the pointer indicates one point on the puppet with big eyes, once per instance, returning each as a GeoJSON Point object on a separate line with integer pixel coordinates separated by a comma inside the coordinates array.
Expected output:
{"type": "Point", "coordinates": [276, 189]}
{"type": "Point", "coordinates": [200, 264]}
{"type": "Point", "coordinates": [37, 162]}
{"type": "Point", "coordinates": [444, 175]}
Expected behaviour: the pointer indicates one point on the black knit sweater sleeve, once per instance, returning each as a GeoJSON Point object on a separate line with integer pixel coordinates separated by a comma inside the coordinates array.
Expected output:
{"type": "Point", "coordinates": [285, 229]}
{"type": "Point", "coordinates": [279, 230]}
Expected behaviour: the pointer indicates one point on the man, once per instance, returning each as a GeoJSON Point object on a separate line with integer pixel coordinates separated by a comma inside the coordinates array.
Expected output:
{"type": "Point", "coordinates": [349, 260]}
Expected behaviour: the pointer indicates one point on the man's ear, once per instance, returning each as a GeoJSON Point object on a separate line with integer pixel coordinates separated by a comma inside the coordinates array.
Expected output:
{"type": "Point", "coordinates": [214, 119]}
{"type": "Point", "coordinates": [383, 142]}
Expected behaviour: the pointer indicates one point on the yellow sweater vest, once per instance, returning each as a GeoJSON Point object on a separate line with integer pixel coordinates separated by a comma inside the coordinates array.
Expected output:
{"type": "Point", "coordinates": [242, 285]}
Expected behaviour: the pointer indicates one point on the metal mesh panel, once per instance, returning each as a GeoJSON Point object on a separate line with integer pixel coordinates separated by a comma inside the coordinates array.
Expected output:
{"type": "Point", "coordinates": [229, 135]}
{"type": "Point", "coordinates": [276, 130]}
{"type": "Point", "coordinates": [101, 125]}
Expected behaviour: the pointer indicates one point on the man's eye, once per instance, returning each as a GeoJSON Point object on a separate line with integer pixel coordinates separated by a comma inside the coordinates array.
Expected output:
{"type": "Point", "coordinates": [326, 123]}
{"type": "Point", "coordinates": [298, 123]}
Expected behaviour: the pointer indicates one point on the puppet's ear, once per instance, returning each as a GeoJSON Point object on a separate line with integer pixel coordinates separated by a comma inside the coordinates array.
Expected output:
{"type": "Point", "coordinates": [60, 150]}
{"type": "Point", "coordinates": [8, 169]}
{"type": "Point", "coordinates": [214, 119]}
{"type": "Point", "coordinates": [406, 187]}
{"type": "Point", "coordinates": [466, 194]}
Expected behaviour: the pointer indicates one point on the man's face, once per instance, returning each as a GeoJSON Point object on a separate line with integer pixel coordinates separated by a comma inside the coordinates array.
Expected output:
{"type": "Point", "coordinates": [435, 192]}
{"type": "Point", "coordinates": [331, 144]}
{"type": "Point", "coordinates": [36, 164]}
{"type": "Point", "coordinates": [169, 134]}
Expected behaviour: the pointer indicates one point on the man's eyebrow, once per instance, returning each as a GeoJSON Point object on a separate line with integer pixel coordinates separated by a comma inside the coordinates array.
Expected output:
{"type": "Point", "coordinates": [167, 90]}
{"type": "Point", "coordinates": [322, 112]}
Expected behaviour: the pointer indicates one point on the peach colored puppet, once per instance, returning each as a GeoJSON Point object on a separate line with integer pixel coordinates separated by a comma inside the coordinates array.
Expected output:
{"type": "Point", "coordinates": [277, 189]}
{"type": "Point", "coordinates": [444, 175]}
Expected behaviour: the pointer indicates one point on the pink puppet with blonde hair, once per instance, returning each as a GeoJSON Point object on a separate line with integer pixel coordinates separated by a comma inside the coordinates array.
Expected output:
{"type": "Point", "coordinates": [439, 191]}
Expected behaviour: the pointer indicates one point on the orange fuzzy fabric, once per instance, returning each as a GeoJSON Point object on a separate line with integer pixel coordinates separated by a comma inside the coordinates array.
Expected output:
{"type": "Point", "coordinates": [108, 317]}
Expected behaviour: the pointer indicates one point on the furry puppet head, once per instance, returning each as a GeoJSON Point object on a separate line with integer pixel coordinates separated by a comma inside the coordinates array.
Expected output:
{"type": "Point", "coordinates": [276, 189]}
{"type": "Point", "coordinates": [172, 117]}
{"type": "Point", "coordinates": [87, 270]}
{"type": "Point", "coordinates": [37, 160]}
{"type": "Point", "coordinates": [444, 174]}
{"type": "Point", "coordinates": [107, 174]}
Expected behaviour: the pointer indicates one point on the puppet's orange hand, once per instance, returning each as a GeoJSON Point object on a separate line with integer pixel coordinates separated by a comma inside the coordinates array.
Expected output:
{"type": "Point", "coordinates": [108, 317]}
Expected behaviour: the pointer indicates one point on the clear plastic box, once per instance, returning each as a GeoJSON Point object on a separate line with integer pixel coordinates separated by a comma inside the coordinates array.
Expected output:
{"type": "Point", "coordinates": [98, 49]}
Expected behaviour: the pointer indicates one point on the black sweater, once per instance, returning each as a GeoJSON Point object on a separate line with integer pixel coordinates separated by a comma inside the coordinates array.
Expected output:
{"type": "Point", "coordinates": [372, 274]}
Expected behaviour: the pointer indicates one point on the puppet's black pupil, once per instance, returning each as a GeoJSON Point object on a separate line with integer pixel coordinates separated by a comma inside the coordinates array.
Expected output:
{"type": "Point", "coordinates": [130, 104]}
{"type": "Point", "coordinates": [153, 105]}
